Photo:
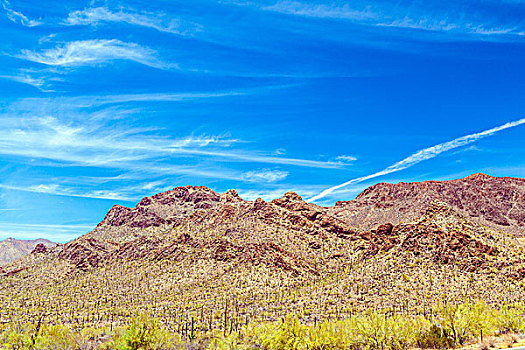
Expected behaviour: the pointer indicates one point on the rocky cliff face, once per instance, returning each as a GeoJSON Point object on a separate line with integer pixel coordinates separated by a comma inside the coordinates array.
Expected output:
{"type": "Point", "coordinates": [149, 229]}
{"type": "Point", "coordinates": [495, 202]}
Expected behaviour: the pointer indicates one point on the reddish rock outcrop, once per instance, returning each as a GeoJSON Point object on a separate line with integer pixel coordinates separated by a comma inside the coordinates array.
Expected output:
{"type": "Point", "coordinates": [40, 248]}
{"type": "Point", "coordinates": [301, 213]}
{"type": "Point", "coordinates": [138, 217]}
{"type": "Point", "coordinates": [85, 253]}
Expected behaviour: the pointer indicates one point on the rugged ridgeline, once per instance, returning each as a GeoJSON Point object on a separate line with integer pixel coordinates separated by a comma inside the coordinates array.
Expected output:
{"type": "Point", "coordinates": [12, 249]}
{"type": "Point", "coordinates": [191, 253]}
{"type": "Point", "coordinates": [496, 202]}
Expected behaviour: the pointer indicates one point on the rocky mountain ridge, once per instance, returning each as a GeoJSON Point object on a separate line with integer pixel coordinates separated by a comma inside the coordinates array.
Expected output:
{"type": "Point", "coordinates": [496, 202]}
{"type": "Point", "coordinates": [155, 218]}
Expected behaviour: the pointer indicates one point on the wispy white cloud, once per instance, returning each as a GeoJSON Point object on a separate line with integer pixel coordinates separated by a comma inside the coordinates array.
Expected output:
{"type": "Point", "coordinates": [128, 193]}
{"type": "Point", "coordinates": [387, 15]}
{"type": "Point", "coordinates": [75, 131]}
{"type": "Point", "coordinates": [262, 158]}
{"type": "Point", "coordinates": [38, 83]}
{"type": "Point", "coordinates": [444, 25]}
{"type": "Point", "coordinates": [158, 21]}
{"type": "Point", "coordinates": [346, 158]}
{"type": "Point", "coordinates": [89, 143]}
{"type": "Point", "coordinates": [91, 52]}
{"type": "Point", "coordinates": [100, 100]}
{"type": "Point", "coordinates": [265, 175]}
{"type": "Point", "coordinates": [320, 10]}
{"type": "Point", "coordinates": [18, 17]}
{"type": "Point", "coordinates": [57, 190]}
{"type": "Point", "coordinates": [52, 226]}
{"type": "Point", "coordinates": [424, 154]}
{"type": "Point", "coordinates": [84, 138]}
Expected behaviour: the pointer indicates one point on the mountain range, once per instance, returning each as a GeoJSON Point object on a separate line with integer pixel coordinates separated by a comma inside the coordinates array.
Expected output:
{"type": "Point", "coordinates": [192, 252]}
{"type": "Point", "coordinates": [12, 249]}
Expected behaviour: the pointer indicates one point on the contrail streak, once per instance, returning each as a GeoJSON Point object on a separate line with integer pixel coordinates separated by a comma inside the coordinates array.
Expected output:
{"type": "Point", "coordinates": [422, 155]}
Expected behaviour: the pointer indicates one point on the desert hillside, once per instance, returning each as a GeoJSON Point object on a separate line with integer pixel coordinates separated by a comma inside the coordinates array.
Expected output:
{"type": "Point", "coordinates": [191, 252]}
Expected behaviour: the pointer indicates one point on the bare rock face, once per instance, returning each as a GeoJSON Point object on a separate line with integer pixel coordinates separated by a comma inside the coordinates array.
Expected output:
{"type": "Point", "coordinates": [301, 213]}
{"type": "Point", "coordinates": [496, 202]}
{"type": "Point", "coordinates": [158, 212]}
{"type": "Point", "coordinates": [138, 217]}
{"type": "Point", "coordinates": [40, 248]}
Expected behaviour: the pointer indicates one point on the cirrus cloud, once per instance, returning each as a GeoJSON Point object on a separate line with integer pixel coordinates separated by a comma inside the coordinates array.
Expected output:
{"type": "Point", "coordinates": [157, 21]}
{"type": "Point", "coordinates": [91, 52]}
{"type": "Point", "coordinates": [265, 175]}
{"type": "Point", "coordinates": [18, 17]}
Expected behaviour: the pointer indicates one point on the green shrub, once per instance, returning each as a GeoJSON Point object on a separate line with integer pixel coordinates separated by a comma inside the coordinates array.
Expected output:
{"type": "Point", "coordinates": [511, 319]}
{"type": "Point", "coordinates": [55, 337]}
{"type": "Point", "coordinates": [142, 333]}
{"type": "Point", "coordinates": [371, 331]}
{"type": "Point", "coordinates": [231, 341]}
{"type": "Point", "coordinates": [333, 335]}
{"type": "Point", "coordinates": [464, 321]}
{"type": "Point", "coordinates": [17, 337]}
{"type": "Point", "coordinates": [380, 331]}
{"type": "Point", "coordinates": [434, 338]}
{"type": "Point", "coordinates": [289, 334]}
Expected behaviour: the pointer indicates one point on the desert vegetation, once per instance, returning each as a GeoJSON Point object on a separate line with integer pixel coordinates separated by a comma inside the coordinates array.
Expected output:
{"type": "Point", "coordinates": [444, 326]}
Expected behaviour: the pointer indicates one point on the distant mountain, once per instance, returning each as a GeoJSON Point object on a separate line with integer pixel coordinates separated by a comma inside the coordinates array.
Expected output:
{"type": "Point", "coordinates": [395, 246]}
{"type": "Point", "coordinates": [12, 249]}
{"type": "Point", "coordinates": [495, 202]}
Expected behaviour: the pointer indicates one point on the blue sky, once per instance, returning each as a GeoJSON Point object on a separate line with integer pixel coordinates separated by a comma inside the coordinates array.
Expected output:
{"type": "Point", "coordinates": [105, 102]}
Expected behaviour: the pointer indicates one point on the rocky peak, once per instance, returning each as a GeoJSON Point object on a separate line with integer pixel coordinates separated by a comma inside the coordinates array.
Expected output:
{"type": "Point", "coordinates": [40, 248]}
{"type": "Point", "coordinates": [181, 195]}
{"type": "Point", "coordinates": [159, 211]}
{"type": "Point", "coordinates": [232, 193]}
{"type": "Point", "coordinates": [480, 176]}
{"type": "Point", "coordinates": [292, 196]}
{"type": "Point", "coordinates": [162, 208]}
{"type": "Point", "coordinates": [293, 201]}
{"type": "Point", "coordinates": [231, 196]}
